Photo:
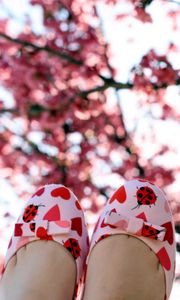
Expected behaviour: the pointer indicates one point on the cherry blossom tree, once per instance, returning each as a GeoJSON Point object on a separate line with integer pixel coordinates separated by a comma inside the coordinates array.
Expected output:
{"type": "Point", "coordinates": [62, 82]}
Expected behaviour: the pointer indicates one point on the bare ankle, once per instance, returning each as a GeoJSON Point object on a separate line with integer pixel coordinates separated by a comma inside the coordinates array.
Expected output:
{"type": "Point", "coordinates": [38, 273]}
{"type": "Point", "coordinates": [119, 264]}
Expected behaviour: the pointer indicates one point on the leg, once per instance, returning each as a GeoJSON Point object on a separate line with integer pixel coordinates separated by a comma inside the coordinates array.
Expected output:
{"type": "Point", "coordinates": [39, 270]}
{"type": "Point", "coordinates": [122, 267]}
{"type": "Point", "coordinates": [45, 257]}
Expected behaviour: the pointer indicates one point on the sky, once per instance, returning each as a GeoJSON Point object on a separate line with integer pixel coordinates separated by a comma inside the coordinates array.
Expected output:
{"type": "Point", "coordinates": [156, 35]}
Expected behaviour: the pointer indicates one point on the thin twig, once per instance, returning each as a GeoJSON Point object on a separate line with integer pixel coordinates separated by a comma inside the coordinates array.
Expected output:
{"type": "Point", "coordinates": [107, 84]}
{"type": "Point", "coordinates": [8, 110]}
{"type": "Point", "coordinates": [44, 48]}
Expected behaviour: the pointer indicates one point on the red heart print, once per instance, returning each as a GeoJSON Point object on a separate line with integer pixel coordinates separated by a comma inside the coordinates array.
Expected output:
{"type": "Point", "coordinates": [119, 195]}
{"type": "Point", "coordinates": [62, 192]}
{"type": "Point", "coordinates": [39, 192]}
{"type": "Point", "coordinates": [77, 225]}
{"type": "Point", "coordinates": [164, 258]}
{"type": "Point", "coordinates": [10, 243]}
{"type": "Point", "coordinates": [145, 180]}
{"type": "Point", "coordinates": [169, 232]}
{"type": "Point", "coordinates": [53, 214]}
{"type": "Point", "coordinates": [63, 224]}
{"type": "Point", "coordinates": [78, 205]}
{"type": "Point", "coordinates": [104, 225]}
{"type": "Point", "coordinates": [142, 216]}
{"type": "Point", "coordinates": [122, 225]}
{"type": "Point", "coordinates": [18, 230]}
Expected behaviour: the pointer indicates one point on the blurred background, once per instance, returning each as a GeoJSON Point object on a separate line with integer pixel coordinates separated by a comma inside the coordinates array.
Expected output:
{"type": "Point", "coordinates": [89, 97]}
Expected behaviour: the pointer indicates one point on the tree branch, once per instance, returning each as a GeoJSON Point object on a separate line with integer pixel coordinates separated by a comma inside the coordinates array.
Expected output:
{"type": "Point", "coordinates": [54, 159]}
{"type": "Point", "coordinates": [144, 3]}
{"type": "Point", "coordinates": [45, 48]}
{"type": "Point", "coordinates": [36, 149]}
{"type": "Point", "coordinates": [108, 82]}
{"type": "Point", "coordinates": [9, 110]}
{"type": "Point", "coordinates": [35, 109]}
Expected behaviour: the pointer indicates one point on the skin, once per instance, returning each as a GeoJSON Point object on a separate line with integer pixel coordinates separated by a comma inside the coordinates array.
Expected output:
{"type": "Point", "coordinates": [120, 267]}
{"type": "Point", "coordinates": [40, 270]}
